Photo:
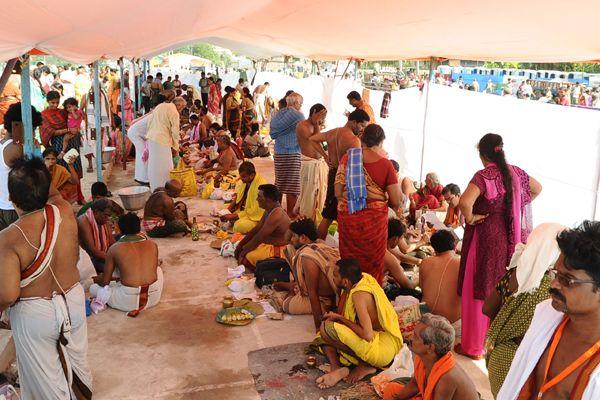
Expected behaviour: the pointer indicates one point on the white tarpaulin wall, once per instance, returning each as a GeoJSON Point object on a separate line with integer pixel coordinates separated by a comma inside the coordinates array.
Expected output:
{"type": "Point", "coordinates": [559, 146]}
{"type": "Point", "coordinates": [512, 30]}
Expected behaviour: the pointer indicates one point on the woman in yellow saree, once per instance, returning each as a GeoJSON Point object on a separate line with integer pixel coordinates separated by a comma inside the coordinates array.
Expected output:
{"type": "Point", "coordinates": [64, 180]}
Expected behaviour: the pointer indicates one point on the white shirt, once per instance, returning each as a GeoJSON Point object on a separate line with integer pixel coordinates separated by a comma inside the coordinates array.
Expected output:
{"type": "Point", "coordinates": [5, 203]}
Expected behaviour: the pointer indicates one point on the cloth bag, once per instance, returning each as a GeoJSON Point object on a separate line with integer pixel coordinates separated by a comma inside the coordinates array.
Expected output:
{"type": "Point", "coordinates": [272, 270]}
{"type": "Point", "coordinates": [187, 177]}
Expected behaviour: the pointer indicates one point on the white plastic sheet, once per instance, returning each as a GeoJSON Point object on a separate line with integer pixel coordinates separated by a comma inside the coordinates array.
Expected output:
{"type": "Point", "coordinates": [559, 146]}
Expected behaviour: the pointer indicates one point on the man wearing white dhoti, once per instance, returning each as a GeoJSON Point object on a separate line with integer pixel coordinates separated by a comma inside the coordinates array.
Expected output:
{"type": "Point", "coordinates": [162, 134]}
{"type": "Point", "coordinates": [137, 134]}
{"type": "Point", "coordinates": [559, 357]}
{"type": "Point", "coordinates": [47, 303]}
{"type": "Point", "coordinates": [313, 168]}
{"type": "Point", "coordinates": [135, 257]}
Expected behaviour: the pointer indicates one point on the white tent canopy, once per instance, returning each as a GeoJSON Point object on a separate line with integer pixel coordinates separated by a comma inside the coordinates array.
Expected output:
{"type": "Point", "coordinates": [512, 30]}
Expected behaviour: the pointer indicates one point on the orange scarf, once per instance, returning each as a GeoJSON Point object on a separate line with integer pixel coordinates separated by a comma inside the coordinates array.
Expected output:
{"type": "Point", "coordinates": [427, 384]}
{"type": "Point", "coordinates": [590, 359]}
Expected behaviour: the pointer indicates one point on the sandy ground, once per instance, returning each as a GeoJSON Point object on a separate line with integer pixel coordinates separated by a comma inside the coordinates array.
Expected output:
{"type": "Point", "coordinates": [177, 350]}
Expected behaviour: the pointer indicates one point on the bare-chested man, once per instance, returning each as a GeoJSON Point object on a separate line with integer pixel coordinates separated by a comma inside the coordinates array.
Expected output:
{"type": "Point", "coordinates": [268, 238]}
{"type": "Point", "coordinates": [365, 333]}
{"type": "Point", "coordinates": [437, 375]}
{"type": "Point", "coordinates": [391, 263]}
{"type": "Point", "coordinates": [95, 233]}
{"type": "Point", "coordinates": [338, 140]}
{"type": "Point", "coordinates": [224, 170]}
{"type": "Point", "coordinates": [162, 216]}
{"type": "Point", "coordinates": [314, 289]}
{"type": "Point", "coordinates": [136, 258]}
{"type": "Point", "coordinates": [438, 278]}
{"type": "Point", "coordinates": [260, 98]}
{"type": "Point", "coordinates": [313, 170]}
{"type": "Point", "coordinates": [50, 318]}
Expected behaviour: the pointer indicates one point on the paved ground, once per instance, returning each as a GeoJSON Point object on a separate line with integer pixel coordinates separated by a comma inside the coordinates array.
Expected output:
{"type": "Point", "coordinates": [177, 350]}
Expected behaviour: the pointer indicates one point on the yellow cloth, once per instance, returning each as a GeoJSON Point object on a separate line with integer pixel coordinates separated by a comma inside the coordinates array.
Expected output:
{"type": "Point", "coordinates": [244, 225]}
{"type": "Point", "coordinates": [262, 252]}
{"type": "Point", "coordinates": [60, 175]}
{"type": "Point", "coordinates": [380, 351]}
{"type": "Point", "coordinates": [163, 125]}
{"type": "Point", "coordinates": [252, 213]}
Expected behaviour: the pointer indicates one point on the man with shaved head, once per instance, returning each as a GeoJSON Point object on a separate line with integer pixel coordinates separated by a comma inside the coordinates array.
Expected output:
{"type": "Point", "coordinates": [164, 217]}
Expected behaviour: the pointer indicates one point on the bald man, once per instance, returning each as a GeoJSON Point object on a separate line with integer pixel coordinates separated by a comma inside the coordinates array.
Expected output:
{"type": "Point", "coordinates": [163, 216]}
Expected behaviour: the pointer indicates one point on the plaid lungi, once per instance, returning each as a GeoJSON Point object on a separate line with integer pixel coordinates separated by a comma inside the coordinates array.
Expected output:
{"type": "Point", "coordinates": [287, 173]}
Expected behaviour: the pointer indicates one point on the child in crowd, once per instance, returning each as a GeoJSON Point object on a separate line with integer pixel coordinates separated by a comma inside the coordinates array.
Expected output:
{"type": "Point", "coordinates": [74, 120]}
{"type": "Point", "coordinates": [253, 145]}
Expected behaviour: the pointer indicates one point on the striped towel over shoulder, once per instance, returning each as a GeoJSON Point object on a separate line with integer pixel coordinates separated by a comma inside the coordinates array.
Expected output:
{"type": "Point", "coordinates": [356, 184]}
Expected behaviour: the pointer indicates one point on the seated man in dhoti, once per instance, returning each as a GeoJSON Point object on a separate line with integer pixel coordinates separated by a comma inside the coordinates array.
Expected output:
{"type": "Point", "coordinates": [224, 170]}
{"type": "Point", "coordinates": [135, 257]}
{"type": "Point", "coordinates": [267, 239]}
{"type": "Point", "coordinates": [95, 232]}
{"type": "Point", "coordinates": [312, 264]}
{"type": "Point", "coordinates": [244, 209]}
{"type": "Point", "coordinates": [428, 197]}
{"type": "Point", "coordinates": [436, 374]}
{"type": "Point", "coordinates": [162, 216]}
{"type": "Point", "coordinates": [365, 334]}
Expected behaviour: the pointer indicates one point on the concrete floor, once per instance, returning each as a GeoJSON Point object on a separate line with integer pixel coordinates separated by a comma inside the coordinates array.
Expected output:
{"type": "Point", "coordinates": [177, 350]}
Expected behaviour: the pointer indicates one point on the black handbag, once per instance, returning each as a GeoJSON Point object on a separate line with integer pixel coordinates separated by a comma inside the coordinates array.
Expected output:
{"type": "Point", "coordinates": [272, 270]}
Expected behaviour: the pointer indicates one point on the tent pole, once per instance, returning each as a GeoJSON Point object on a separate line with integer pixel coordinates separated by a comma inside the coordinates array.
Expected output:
{"type": "Point", "coordinates": [347, 66]}
{"type": "Point", "coordinates": [426, 86]}
{"type": "Point", "coordinates": [26, 107]}
{"type": "Point", "coordinates": [138, 88]}
{"type": "Point", "coordinates": [132, 87]}
{"type": "Point", "coordinates": [401, 66]}
{"type": "Point", "coordinates": [98, 121]}
{"type": "Point", "coordinates": [10, 65]}
{"type": "Point", "coordinates": [122, 102]}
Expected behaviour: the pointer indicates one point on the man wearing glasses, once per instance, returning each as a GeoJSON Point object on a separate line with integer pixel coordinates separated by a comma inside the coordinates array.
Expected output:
{"type": "Point", "coordinates": [559, 356]}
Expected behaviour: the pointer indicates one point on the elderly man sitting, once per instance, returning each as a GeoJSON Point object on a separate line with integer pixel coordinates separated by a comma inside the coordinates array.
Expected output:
{"type": "Point", "coordinates": [244, 209]}
{"type": "Point", "coordinates": [162, 216]}
{"type": "Point", "coordinates": [437, 375]}
{"type": "Point", "coordinates": [95, 233]}
{"type": "Point", "coordinates": [428, 197]}
{"type": "Point", "coordinates": [135, 257]}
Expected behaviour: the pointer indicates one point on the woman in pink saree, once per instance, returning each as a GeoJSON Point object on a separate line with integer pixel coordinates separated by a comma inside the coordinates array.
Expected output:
{"type": "Point", "coordinates": [496, 207]}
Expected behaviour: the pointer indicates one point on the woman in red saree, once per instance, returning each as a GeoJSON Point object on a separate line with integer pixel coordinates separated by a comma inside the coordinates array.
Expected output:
{"type": "Point", "coordinates": [496, 209]}
{"type": "Point", "coordinates": [54, 133]}
{"type": "Point", "coordinates": [366, 184]}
